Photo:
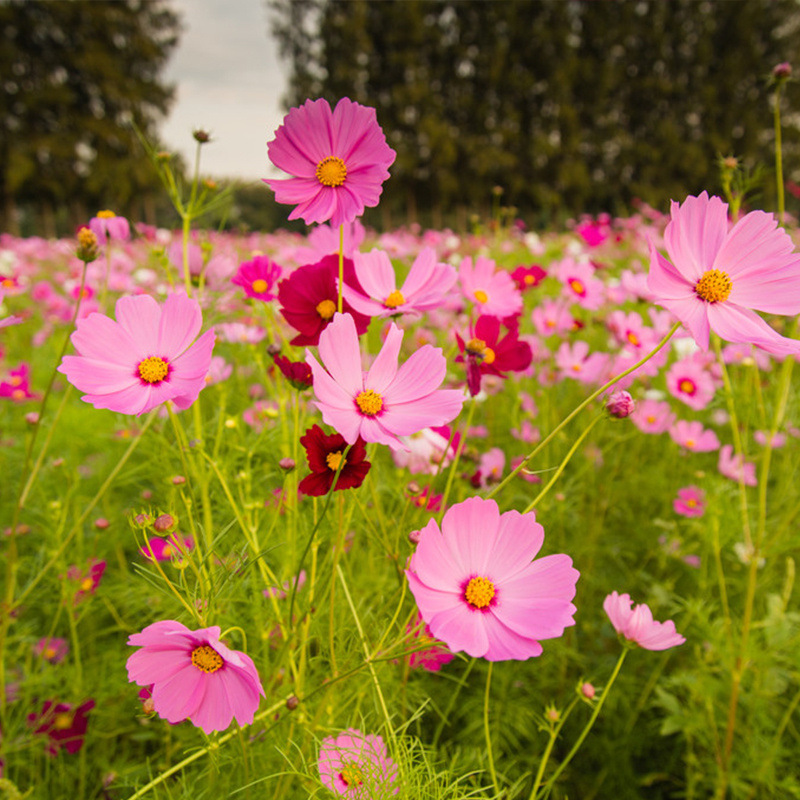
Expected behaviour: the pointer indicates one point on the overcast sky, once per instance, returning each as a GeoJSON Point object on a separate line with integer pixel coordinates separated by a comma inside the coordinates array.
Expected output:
{"type": "Point", "coordinates": [229, 82]}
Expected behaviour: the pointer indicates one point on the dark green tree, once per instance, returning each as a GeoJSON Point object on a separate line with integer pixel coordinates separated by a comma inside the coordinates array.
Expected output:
{"type": "Point", "coordinates": [569, 106]}
{"type": "Point", "coordinates": [77, 75]}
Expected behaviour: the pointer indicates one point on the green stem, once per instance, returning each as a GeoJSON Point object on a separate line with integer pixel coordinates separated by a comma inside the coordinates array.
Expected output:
{"type": "Point", "coordinates": [580, 408]}
{"type": "Point", "coordinates": [487, 732]}
{"type": "Point", "coordinates": [454, 465]}
{"type": "Point", "coordinates": [585, 732]}
{"type": "Point", "coordinates": [341, 268]}
{"type": "Point", "coordinates": [554, 732]}
{"type": "Point", "coordinates": [779, 153]}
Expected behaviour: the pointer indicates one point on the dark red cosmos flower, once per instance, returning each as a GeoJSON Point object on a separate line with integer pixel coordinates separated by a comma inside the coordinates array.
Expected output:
{"type": "Point", "coordinates": [298, 373]}
{"type": "Point", "coordinates": [528, 277]}
{"type": "Point", "coordinates": [324, 454]}
{"type": "Point", "coordinates": [487, 354]}
{"type": "Point", "coordinates": [309, 296]}
{"type": "Point", "coordinates": [63, 725]}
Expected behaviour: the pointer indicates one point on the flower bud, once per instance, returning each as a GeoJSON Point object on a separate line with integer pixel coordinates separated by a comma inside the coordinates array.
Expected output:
{"type": "Point", "coordinates": [143, 520]}
{"type": "Point", "coordinates": [620, 405]}
{"type": "Point", "coordinates": [101, 523]}
{"type": "Point", "coordinates": [782, 71]}
{"type": "Point", "coordinates": [88, 248]}
{"type": "Point", "coordinates": [588, 691]}
{"type": "Point", "coordinates": [292, 702]}
{"type": "Point", "coordinates": [165, 523]}
{"type": "Point", "coordinates": [178, 480]}
{"type": "Point", "coordinates": [414, 537]}
{"type": "Point", "coordinates": [201, 136]}
{"type": "Point", "coordinates": [287, 464]}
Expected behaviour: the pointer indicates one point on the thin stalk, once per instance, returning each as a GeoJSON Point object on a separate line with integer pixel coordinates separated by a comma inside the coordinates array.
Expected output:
{"type": "Point", "coordinates": [487, 731]}
{"type": "Point", "coordinates": [341, 268]}
{"type": "Point", "coordinates": [454, 464]}
{"type": "Point", "coordinates": [779, 153]}
{"type": "Point", "coordinates": [554, 732]}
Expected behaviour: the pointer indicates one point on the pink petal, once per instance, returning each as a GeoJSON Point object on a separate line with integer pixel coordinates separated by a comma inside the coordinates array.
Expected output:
{"type": "Point", "coordinates": [431, 601]}
{"type": "Point", "coordinates": [140, 316]}
{"type": "Point", "coordinates": [504, 644]}
{"type": "Point", "coordinates": [420, 375]}
{"type": "Point", "coordinates": [693, 312]}
{"type": "Point", "coordinates": [735, 324]}
{"type": "Point", "coordinates": [177, 698]}
{"type": "Point", "coordinates": [470, 530]}
{"type": "Point", "coordinates": [461, 628]}
{"type": "Point", "coordinates": [153, 665]}
{"type": "Point", "coordinates": [384, 367]}
{"type": "Point", "coordinates": [99, 337]}
{"type": "Point", "coordinates": [97, 377]}
{"type": "Point", "coordinates": [438, 408]}
{"type": "Point", "coordinates": [181, 320]}
{"type": "Point", "coordinates": [375, 273]}
{"type": "Point", "coordinates": [519, 538]}
{"type": "Point", "coordinates": [695, 234]}
{"type": "Point", "coordinates": [437, 562]}
{"type": "Point", "coordinates": [665, 281]}
{"type": "Point", "coordinates": [326, 389]}
{"type": "Point", "coordinates": [341, 355]}
{"type": "Point", "coordinates": [344, 421]}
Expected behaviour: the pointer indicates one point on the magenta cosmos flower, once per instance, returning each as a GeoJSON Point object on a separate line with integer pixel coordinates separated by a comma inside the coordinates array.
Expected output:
{"type": "Point", "coordinates": [357, 765]}
{"type": "Point", "coordinates": [144, 358]}
{"type": "Point", "coordinates": [716, 278]}
{"type": "Point", "coordinates": [387, 401]}
{"type": "Point", "coordinates": [258, 278]}
{"type": "Point", "coordinates": [194, 676]}
{"type": "Point", "coordinates": [478, 589]}
{"type": "Point", "coordinates": [637, 625]}
{"type": "Point", "coordinates": [339, 158]}
{"type": "Point", "coordinates": [424, 289]}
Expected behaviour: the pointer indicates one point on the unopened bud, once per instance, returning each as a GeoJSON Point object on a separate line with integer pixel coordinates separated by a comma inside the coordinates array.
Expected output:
{"type": "Point", "coordinates": [782, 71]}
{"type": "Point", "coordinates": [88, 248]}
{"type": "Point", "coordinates": [32, 417]}
{"type": "Point", "coordinates": [274, 349]}
{"type": "Point", "coordinates": [178, 480]}
{"type": "Point", "coordinates": [287, 463]}
{"type": "Point", "coordinates": [101, 523]}
{"type": "Point", "coordinates": [292, 702]}
{"type": "Point", "coordinates": [552, 714]}
{"type": "Point", "coordinates": [165, 523]}
{"type": "Point", "coordinates": [620, 405]}
{"type": "Point", "coordinates": [413, 487]}
{"type": "Point", "coordinates": [588, 691]}
{"type": "Point", "coordinates": [143, 520]}
{"type": "Point", "coordinates": [201, 136]}
{"type": "Point", "coordinates": [414, 537]}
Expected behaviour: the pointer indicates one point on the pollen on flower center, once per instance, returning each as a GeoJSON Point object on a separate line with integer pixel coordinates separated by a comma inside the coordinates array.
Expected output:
{"type": "Point", "coordinates": [259, 286]}
{"type": "Point", "coordinates": [106, 214]}
{"type": "Point", "coordinates": [714, 286]}
{"type": "Point", "coordinates": [577, 287]}
{"type": "Point", "coordinates": [481, 296]}
{"type": "Point", "coordinates": [479, 592]}
{"type": "Point", "coordinates": [86, 584]}
{"type": "Point", "coordinates": [153, 369]}
{"type": "Point", "coordinates": [351, 773]}
{"type": "Point", "coordinates": [326, 309]}
{"type": "Point", "coordinates": [62, 722]}
{"type": "Point", "coordinates": [207, 659]}
{"type": "Point", "coordinates": [369, 402]}
{"type": "Point", "coordinates": [687, 386]}
{"type": "Point", "coordinates": [394, 299]}
{"type": "Point", "coordinates": [333, 460]}
{"type": "Point", "coordinates": [633, 338]}
{"type": "Point", "coordinates": [331, 171]}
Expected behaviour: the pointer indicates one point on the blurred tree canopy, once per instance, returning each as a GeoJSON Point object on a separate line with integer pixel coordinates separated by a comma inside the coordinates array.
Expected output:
{"type": "Point", "coordinates": [76, 74]}
{"type": "Point", "coordinates": [568, 106]}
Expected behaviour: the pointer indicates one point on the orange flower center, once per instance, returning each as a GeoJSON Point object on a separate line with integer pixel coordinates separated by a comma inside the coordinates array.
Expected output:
{"type": "Point", "coordinates": [87, 584]}
{"type": "Point", "coordinates": [369, 402]}
{"type": "Point", "coordinates": [528, 280]}
{"type": "Point", "coordinates": [206, 659]}
{"type": "Point", "coordinates": [577, 287]}
{"type": "Point", "coordinates": [352, 773]}
{"type": "Point", "coordinates": [106, 214]}
{"type": "Point", "coordinates": [331, 171]}
{"type": "Point", "coordinates": [479, 592]}
{"type": "Point", "coordinates": [259, 286]}
{"type": "Point", "coordinates": [334, 459]}
{"type": "Point", "coordinates": [633, 339]}
{"type": "Point", "coordinates": [49, 652]}
{"type": "Point", "coordinates": [153, 369]}
{"type": "Point", "coordinates": [687, 386]}
{"type": "Point", "coordinates": [481, 296]}
{"type": "Point", "coordinates": [714, 286]}
{"type": "Point", "coordinates": [394, 299]}
{"type": "Point", "coordinates": [62, 722]}
{"type": "Point", "coordinates": [478, 348]}
{"type": "Point", "coordinates": [326, 308]}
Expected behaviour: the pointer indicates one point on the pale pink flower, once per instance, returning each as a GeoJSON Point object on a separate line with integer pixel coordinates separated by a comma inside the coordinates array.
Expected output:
{"type": "Point", "coordinates": [580, 284]}
{"type": "Point", "coordinates": [692, 384]}
{"type": "Point", "coordinates": [424, 289]}
{"type": "Point", "coordinates": [53, 649]}
{"type": "Point", "coordinates": [478, 589]}
{"type": "Point", "coordinates": [718, 277]}
{"type": "Point", "coordinates": [637, 624]}
{"type": "Point", "coordinates": [734, 467]}
{"type": "Point", "coordinates": [652, 416]}
{"type": "Point", "coordinates": [552, 318]}
{"type": "Point", "coordinates": [690, 502]}
{"type": "Point", "coordinates": [693, 436]}
{"type": "Point", "coordinates": [490, 467]}
{"type": "Point", "coordinates": [143, 359]}
{"type": "Point", "coordinates": [339, 160]}
{"type": "Point", "coordinates": [426, 451]}
{"type": "Point", "coordinates": [492, 290]}
{"type": "Point", "coordinates": [575, 361]}
{"type": "Point", "coordinates": [195, 676]}
{"type": "Point", "coordinates": [357, 765]}
{"type": "Point", "coordinates": [108, 225]}
{"type": "Point", "coordinates": [778, 440]}
{"type": "Point", "coordinates": [387, 401]}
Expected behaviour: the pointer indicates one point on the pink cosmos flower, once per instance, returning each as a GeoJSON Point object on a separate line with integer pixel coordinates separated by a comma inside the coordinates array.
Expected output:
{"type": "Point", "coordinates": [492, 290]}
{"type": "Point", "coordinates": [693, 436]}
{"type": "Point", "coordinates": [339, 158]}
{"type": "Point", "coordinates": [166, 549]}
{"type": "Point", "coordinates": [426, 452]}
{"type": "Point", "coordinates": [580, 284]}
{"type": "Point", "coordinates": [357, 765]}
{"type": "Point", "coordinates": [52, 649]}
{"type": "Point", "coordinates": [652, 416]}
{"type": "Point", "coordinates": [107, 225]}
{"type": "Point", "coordinates": [477, 588]}
{"type": "Point", "coordinates": [637, 624]}
{"type": "Point", "coordinates": [87, 582]}
{"type": "Point", "coordinates": [17, 387]}
{"type": "Point", "coordinates": [424, 289]}
{"type": "Point", "coordinates": [762, 437]}
{"type": "Point", "coordinates": [432, 658]}
{"type": "Point", "coordinates": [734, 468]}
{"type": "Point", "coordinates": [718, 277]}
{"type": "Point", "coordinates": [386, 402]}
{"type": "Point", "coordinates": [551, 317]}
{"type": "Point", "coordinates": [690, 502]}
{"type": "Point", "coordinates": [575, 361]}
{"type": "Point", "coordinates": [258, 277]}
{"type": "Point", "coordinates": [144, 358]}
{"type": "Point", "coordinates": [691, 383]}
{"type": "Point", "coordinates": [194, 676]}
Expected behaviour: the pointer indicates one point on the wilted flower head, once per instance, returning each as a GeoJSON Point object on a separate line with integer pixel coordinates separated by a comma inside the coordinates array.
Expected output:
{"type": "Point", "coordinates": [637, 624]}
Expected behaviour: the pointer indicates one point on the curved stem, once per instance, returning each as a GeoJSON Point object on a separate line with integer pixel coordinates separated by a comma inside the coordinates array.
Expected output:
{"type": "Point", "coordinates": [487, 732]}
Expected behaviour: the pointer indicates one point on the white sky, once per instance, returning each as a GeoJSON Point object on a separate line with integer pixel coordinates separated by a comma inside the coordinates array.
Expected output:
{"type": "Point", "coordinates": [229, 82]}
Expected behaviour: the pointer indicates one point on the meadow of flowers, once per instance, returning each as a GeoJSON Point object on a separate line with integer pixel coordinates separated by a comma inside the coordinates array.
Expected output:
{"type": "Point", "coordinates": [506, 514]}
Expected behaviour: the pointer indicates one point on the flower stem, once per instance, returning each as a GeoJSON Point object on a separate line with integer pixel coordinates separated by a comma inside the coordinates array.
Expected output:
{"type": "Point", "coordinates": [575, 411]}
{"type": "Point", "coordinates": [341, 268]}
{"type": "Point", "coordinates": [454, 465]}
{"type": "Point", "coordinates": [487, 732]}
{"type": "Point", "coordinates": [779, 153]}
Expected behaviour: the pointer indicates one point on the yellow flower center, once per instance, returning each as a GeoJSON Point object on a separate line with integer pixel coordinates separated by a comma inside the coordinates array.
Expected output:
{"type": "Point", "coordinates": [167, 551]}
{"type": "Point", "coordinates": [481, 296]}
{"type": "Point", "coordinates": [577, 287]}
{"type": "Point", "coordinates": [691, 503]}
{"type": "Point", "coordinates": [153, 369]}
{"type": "Point", "coordinates": [87, 238]}
{"type": "Point", "coordinates": [106, 214]}
{"type": "Point", "coordinates": [687, 386]}
{"type": "Point", "coordinates": [394, 299]}
{"type": "Point", "coordinates": [86, 584]}
{"type": "Point", "coordinates": [369, 402]}
{"type": "Point", "coordinates": [352, 773]}
{"type": "Point", "coordinates": [7, 283]}
{"type": "Point", "coordinates": [15, 380]}
{"type": "Point", "coordinates": [633, 339]}
{"type": "Point", "coordinates": [326, 309]}
{"type": "Point", "coordinates": [334, 459]}
{"type": "Point", "coordinates": [49, 652]}
{"type": "Point", "coordinates": [714, 286]}
{"type": "Point", "coordinates": [206, 658]}
{"type": "Point", "coordinates": [331, 171]}
{"type": "Point", "coordinates": [479, 592]}
{"type": "Point", "coordinates": [18, 394]}
{"type": "Point", "coordinates": [528, 280]}
{"type": "Point", "coordinates": [259, 286]}
{"type": "Point", "coordinates": [62, 722]}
